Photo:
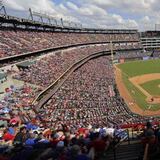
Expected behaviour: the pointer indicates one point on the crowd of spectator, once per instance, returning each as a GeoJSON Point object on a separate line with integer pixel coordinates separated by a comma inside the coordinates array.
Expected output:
{"type": "Point", "coordinates": [32, 141]}
{"type": "Point", "coordinates": [53, 65]}
{"type": "Point", "coordinates": [78, 122]}
{"type": "Point", "coordinates": [151, 136]}
{"type": "Point", "coordinates": [17, 101]}
{"type": "Point", "coordinates": [14, 42]}
{"type": "Point", "coordinates": [131, 54]}
{"type": "Point", "coordinates": [24, 136]}
{"type": "Point", "coordinates": [155, 54]}
{"type": "Point", "coordinates": [89, 97]}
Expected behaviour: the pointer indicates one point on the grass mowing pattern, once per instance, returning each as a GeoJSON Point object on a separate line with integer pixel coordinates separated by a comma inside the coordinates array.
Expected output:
{"type": "Point", "coordinates": [135, 68]}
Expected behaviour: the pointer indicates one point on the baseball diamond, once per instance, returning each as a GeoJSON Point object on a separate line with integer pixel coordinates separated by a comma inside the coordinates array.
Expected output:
{"type": "Point", "coordinates": [138, 83]}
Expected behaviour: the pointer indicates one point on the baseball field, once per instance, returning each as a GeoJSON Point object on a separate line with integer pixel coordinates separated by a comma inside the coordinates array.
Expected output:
{"type": "Point", "coordinates": [139, 84]}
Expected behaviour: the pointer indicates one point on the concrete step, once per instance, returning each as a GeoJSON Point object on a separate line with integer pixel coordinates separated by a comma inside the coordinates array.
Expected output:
{"type": "Point", "coordinates": [126, 151]}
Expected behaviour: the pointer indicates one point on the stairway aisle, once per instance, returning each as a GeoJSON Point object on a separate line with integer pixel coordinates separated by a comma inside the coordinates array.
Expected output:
{"type": "Point", "coordinates": [133, 151]}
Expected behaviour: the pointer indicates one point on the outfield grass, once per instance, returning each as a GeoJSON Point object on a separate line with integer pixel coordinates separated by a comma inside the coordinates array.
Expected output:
{"type": "Point", "coordinates": [136, 68]}
{"type": "Point", "coordinates": [152, 87]}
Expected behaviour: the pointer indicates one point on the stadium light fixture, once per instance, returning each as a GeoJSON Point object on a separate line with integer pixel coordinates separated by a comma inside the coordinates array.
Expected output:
{"type": "Point", "coordinates": [111, 48]}
{"type": "Point", "coordinates": [62, 22]}
{"type": "Point", "coordinates": [31, 15]}
{"type": "Point", "coordinates": [2, 8]}
{"type": "Point", "coordinates": [43, 17]}
{"type": "Point", "coordinates": [50, 18]}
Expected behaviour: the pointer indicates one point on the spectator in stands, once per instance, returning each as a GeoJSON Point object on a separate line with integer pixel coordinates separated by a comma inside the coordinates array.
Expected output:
{"type": "Point", "coordinates": [21, 136]}
{"type": "Point", "coordinates": [148, 134]}
{"type": "Point", "coordinates": [14, 42]}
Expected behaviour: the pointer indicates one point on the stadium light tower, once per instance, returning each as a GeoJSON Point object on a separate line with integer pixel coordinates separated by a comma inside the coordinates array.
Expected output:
{"type": "Point", "coordinates": [62, 24]}
{"type": "Point", "coordinates": [50, 18]}
{"type": "Point", "coordinates": [111, 48]}
{"type": "Point", "coordinates": [42, 17]}
{"type": "Point", "coordinates": [2, 8]}
{"type": "Point", "coordinates": [30, 14]}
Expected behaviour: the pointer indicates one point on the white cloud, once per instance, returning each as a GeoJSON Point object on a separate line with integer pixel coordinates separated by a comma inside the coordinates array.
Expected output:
{"type": "Point", "coordinates": [13, 5]}
{"type": "Point", "coordinates": [43, 5]}
{"type": "Point", "coordinates": [145, 19]}
{"type": "Point", "coordinates": [72, 6]}
{"type": "Point", "coordinates": [92, 10]}
{"type": "Point", "coordinates": [118, 18]}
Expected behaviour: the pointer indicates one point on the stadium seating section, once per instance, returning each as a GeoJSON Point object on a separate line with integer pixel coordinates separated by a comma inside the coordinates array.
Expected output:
{"type": "Point", "coordinates": [19, 41]}
{"type": "Point", "coordinates": [81, 119]}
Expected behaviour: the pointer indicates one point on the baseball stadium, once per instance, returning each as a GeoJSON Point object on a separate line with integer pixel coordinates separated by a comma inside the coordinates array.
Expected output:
{"type": "Point", "coordinates": [79, 80]}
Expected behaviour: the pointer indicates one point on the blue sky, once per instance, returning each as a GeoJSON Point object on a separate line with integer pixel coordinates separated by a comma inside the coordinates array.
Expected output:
{"type": "Point", "coordinates": [140, 14]}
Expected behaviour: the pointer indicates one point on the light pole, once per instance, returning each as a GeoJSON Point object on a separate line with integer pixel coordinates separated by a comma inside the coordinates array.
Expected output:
{"type": "Point", "coordinates": [111, 48]}
{"type": "Point", "coordinates": [2, 8]}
